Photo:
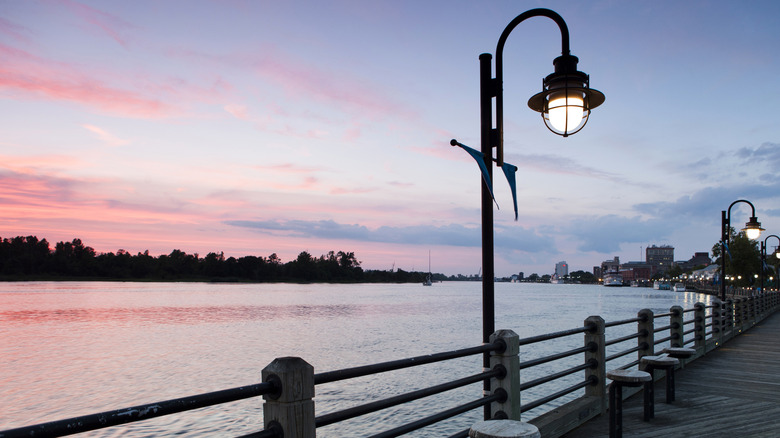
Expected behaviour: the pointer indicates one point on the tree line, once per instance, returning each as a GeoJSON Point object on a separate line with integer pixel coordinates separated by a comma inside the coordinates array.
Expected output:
{"type": "Point", "coordinates": [744, 263]}
{"type": "Point", "coordinates": [28, 258]}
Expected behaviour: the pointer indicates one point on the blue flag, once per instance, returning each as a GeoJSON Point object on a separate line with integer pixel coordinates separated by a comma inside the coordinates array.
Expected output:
{"type": "Point", "coordinates": [479, 157]}
{"type": "Point", "coordinates": [509, 172]}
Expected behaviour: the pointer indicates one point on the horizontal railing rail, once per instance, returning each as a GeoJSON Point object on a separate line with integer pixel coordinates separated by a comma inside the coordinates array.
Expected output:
{"type": "Point", "coordinates": [288, 386]}
{"type": "Point", "coordinates": [118, 417]}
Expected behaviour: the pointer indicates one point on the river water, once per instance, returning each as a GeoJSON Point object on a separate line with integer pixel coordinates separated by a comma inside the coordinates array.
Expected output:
{"type": "Point", "coordinates": [77, 348]}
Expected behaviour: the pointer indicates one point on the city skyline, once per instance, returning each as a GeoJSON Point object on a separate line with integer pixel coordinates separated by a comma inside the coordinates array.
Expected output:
{"type": "Point", "coordinates": [279, 127]}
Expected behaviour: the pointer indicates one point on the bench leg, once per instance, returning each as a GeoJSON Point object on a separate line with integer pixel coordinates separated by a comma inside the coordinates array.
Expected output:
{"type": "Point", "coordinates": [649, 395]}
{"type": "Point", "coordinates": [649, 401]}
{"type": "Point", "coordinates": [615, 410]}
{"type": "Point", "coordinates": [669, 385]}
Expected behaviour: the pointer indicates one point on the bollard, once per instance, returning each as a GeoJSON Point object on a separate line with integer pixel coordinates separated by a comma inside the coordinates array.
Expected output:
{"type": "Point", "coordinates": [292, 408]}
{"type": "Point", "coordinates": [510, 360]}
{"type": "Point", "coordinates": [503, 429]}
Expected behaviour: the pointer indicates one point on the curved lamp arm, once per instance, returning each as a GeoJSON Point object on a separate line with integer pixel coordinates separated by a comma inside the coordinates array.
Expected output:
{"type": "Point", "coordinates": [763, 244]}
{"type": "Point", "coordinates": [752, 227]}
{"type": "Point", "coordinates": [499, 81]}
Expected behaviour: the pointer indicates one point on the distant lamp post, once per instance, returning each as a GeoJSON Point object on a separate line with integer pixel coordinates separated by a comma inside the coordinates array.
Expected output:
{"type": "Point", "coordinates": [752, 231]}
{"type": "Point", "coordinates": [763, 257]}
{"type": "Point", "coordinates": [565, 103]}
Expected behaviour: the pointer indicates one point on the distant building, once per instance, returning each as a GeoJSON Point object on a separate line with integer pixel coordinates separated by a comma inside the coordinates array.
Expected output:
{"type": "Point", "coordinates": [635, 271]}
{"type": "Point", "coordinates": [597, 271]}
{"type": "Point", "coordinates": [698, 259]}
{"type": "Point", "coordinates": [660, 258]}
{"type": "Point", "coordinates": [706, 274]}
{"type": "Point", "coordinates": [610, 265]}
{"type": "Point", "coordinates": [561, 269]}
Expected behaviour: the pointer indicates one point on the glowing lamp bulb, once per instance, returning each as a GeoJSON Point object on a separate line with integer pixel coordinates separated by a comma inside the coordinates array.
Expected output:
{"type": "Point", "coordinates": [565, 112]}
{"type": "Point", "coordinates": [753, 228]}
{"type": "Point", "coordinates": [753, 233]}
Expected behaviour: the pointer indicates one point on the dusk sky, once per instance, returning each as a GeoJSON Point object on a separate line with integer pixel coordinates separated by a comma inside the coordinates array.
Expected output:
{"type": "Point", "coordinates": [259, 127]}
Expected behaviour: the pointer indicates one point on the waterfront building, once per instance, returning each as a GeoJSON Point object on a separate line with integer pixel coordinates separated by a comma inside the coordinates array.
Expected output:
{"type": "Point", "coordinates": [561, 269]}
{"type": "Point", "coordinates": [636, 271]}
{"type": "Point", "coordinates": [698, 259]}
{"type": "Point", "coordinates": [660, 258]}
{"type": "Point", "coordinates": [610, 265]}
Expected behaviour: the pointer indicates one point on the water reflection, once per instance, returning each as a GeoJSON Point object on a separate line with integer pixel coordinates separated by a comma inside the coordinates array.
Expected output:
{"type": "Point", "coordinates": [70, 349]}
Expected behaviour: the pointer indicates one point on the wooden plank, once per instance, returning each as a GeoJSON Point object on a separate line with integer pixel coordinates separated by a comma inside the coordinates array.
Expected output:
{"type": "Point", "coordinates": [733, 391]}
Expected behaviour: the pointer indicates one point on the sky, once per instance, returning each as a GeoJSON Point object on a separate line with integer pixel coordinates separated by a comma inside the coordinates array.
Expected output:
{"type": "Point", "coordinates": [260, 127]}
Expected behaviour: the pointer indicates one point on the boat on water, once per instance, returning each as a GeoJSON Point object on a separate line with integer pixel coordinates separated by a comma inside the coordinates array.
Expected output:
{"type": "Point", "coordinates": [428, 280]}
{"type": "Point", "coordinates": [679, 287]}
{"type": "Point", "coordinates": [613, 279]}
{"type": "Point", "coordinates": [661, 285]}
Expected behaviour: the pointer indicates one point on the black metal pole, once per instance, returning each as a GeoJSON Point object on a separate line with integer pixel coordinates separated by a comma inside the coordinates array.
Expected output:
{"type": "Point", "coordinates": [761, 265]}
{"type": "Point", "coordinates": [724, 233]}
{"type": "Point", "coordinates": [486, 93]}
{"type": "Point", "coordinates": [494, 138]}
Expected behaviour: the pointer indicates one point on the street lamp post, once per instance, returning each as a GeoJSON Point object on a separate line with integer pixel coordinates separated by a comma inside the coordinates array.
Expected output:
{"type": "Point", "coordinates": [564, 103]}
{"type": "Point", "coordinates": [752, 230]}
{"type": "Point", "coordinates": [763, 257]}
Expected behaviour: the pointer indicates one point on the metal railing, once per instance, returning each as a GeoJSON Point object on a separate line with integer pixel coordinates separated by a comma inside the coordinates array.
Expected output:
{"type": "Point", "coordinates": [579, 393]}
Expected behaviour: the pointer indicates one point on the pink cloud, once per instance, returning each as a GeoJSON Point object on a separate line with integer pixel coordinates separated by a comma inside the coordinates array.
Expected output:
{"type": "Point", "coordinates": [351, 190]}
{"type": "Point", "coordinates": [105, 136]}
{"type": "Point", "coordinates": [27, 74]}
{"type": "Point", "coordinates": [289, 168]}
{"type": "Point", "coordinates": [12, 30]}
{"type": "Point", "coordinates": [237, 111]}
{"type": "Point", "coordinates": [337, 89]}
{"type": "Point", "coordinates": [107, 23]}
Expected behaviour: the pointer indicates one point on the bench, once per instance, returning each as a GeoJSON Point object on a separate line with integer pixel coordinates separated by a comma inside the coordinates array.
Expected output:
{"type": "Point", "coordinates": [621, 378]}
{"type": "Point", "coordinates": [680, 353]}
{"type": "Point", "coordinates": [650, 364]}
{"type": "Point", "coordinates": [503, 429]}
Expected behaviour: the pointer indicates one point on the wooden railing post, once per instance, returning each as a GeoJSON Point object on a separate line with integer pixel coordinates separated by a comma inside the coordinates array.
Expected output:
{"type": "Point", "coordinates": [717, 322]}
{"type": "Point", "coordinates": [754, 308]}
{"type": "Point", "coordinates": [645, 330]}
{"type": "Point", "coordinates": [728, 320]}
{"type": "Point", "coordinates": [598, 355]}
{"type": "Point", "coordinates": [676, 331]}
{"type": "Point", "coordinates": [741, 307]}
{"type": "Point", "coordinates": [699, 316]}
{"type": "Point", "coordinates": [739, 313]}
{"type": "Point", "coordinates": [510, 360]}
{"type": "Point", "coordinates": [291, 408]}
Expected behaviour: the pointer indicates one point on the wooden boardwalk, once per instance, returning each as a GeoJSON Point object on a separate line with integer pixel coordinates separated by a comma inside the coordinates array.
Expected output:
{"type": "Point", "coordinates": [732, 392]}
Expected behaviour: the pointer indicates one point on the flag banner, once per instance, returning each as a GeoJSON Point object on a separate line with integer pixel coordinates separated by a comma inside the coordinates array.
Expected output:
{"type": "Point", "coordinates": [509, 171]}
{"type": "Point", "coordinates": [479, 157]}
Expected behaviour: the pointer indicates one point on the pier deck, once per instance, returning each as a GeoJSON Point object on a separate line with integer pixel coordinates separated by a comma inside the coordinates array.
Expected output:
{"type": "Point", "coordinates": [733, 391]}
